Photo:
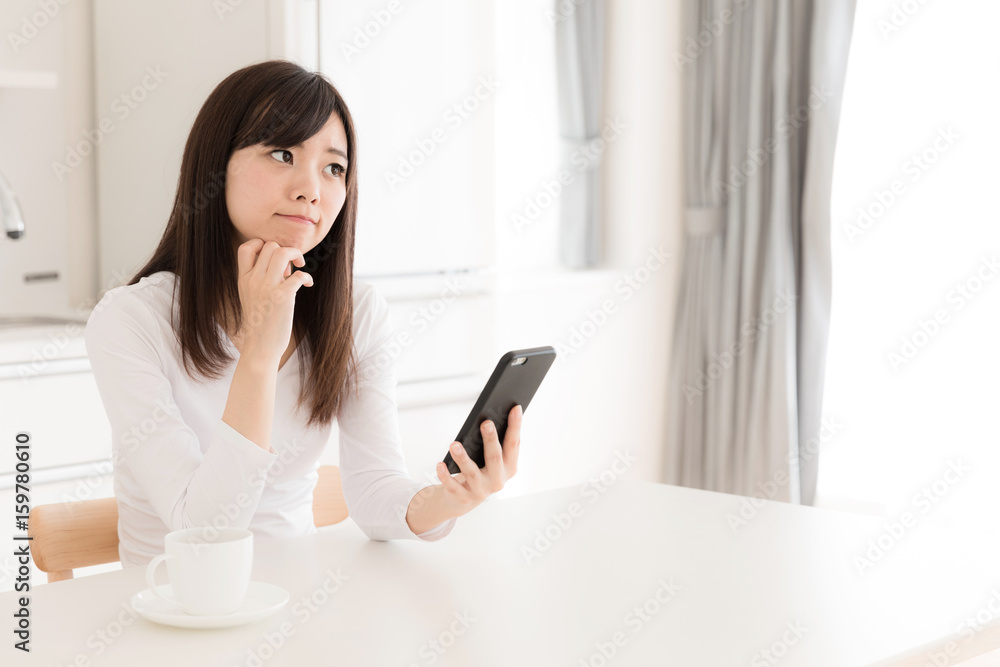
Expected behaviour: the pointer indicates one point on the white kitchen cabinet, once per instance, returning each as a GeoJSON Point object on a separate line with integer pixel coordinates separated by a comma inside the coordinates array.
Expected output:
{"type": "Point", "coordinates": [64, 415]}
{"type": "Point", "coordinates": [48, 391]}
{"type": "Point", "coordinates": [35, 269]}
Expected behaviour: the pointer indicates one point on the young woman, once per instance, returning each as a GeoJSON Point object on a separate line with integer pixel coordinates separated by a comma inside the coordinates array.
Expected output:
{"type": "Point", "coordinates": [223, 361]}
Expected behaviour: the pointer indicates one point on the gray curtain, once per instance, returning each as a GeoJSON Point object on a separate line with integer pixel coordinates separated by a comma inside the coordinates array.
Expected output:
{"type": "Point", "coordinates": [579, 71]}
{"type": "Point", "coordinates": [762, 87]}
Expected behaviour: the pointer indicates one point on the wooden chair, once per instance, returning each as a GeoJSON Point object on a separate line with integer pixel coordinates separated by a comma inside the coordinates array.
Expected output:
{"type": "Point", "coordinates": [85, 532]}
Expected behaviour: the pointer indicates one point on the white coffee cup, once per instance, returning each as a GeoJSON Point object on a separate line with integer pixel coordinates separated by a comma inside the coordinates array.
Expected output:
{"type": "Point", "coordinates": [209, 569]}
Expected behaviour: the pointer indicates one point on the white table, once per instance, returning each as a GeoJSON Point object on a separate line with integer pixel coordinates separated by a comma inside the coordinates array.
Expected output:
{"type": "Point", "coordinates": [786, 581]}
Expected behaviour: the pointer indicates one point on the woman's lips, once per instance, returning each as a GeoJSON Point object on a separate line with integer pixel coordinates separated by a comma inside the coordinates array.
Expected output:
{"type": "Point", "coordinates": [295, 218]}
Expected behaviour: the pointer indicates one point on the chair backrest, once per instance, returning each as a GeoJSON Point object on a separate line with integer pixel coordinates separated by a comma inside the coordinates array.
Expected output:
{"type": "Point", "coordinates": [85, 532]}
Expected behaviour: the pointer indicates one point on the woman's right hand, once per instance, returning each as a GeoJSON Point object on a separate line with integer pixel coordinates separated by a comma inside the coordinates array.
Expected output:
{"type": "Point", "coordinates": [267, 296]}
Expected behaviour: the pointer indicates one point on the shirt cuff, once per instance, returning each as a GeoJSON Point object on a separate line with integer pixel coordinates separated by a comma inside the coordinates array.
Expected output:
{"type": "Point", "coordinates": [244, 446]}
{"type": "Point", "coordinates": [233, 468]}
{"type": "Point", "coordinates": [437, 532]}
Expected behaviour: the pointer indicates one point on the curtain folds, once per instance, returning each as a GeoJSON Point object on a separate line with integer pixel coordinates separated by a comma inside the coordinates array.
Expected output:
{"type": "Point", "coordinates": [580, 71]}
{"type": "Point", "coordinates": [762, 88]}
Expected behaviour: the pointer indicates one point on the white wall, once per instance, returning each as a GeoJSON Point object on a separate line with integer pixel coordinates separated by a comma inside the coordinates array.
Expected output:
{"type": "Point", "coordinates": [644, 199]}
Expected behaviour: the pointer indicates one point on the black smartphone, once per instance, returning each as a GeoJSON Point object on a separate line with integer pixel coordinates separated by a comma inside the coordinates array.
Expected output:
{"type": "Point", "coordinates": [514, 382]}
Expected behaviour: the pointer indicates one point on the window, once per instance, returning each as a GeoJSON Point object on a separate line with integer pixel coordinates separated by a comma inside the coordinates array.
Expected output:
{"type": "Point", "coordinates": [527, 137]}
{"type": "Point", "coordinates": [914, 354]}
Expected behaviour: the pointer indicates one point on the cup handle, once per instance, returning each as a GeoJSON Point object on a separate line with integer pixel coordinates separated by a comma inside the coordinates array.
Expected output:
{"type": "Point", "coordinates": [151, 579]}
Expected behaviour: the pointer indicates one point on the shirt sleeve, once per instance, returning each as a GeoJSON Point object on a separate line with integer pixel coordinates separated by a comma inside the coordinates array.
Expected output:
{"type": "Point", "coordinates": [186, 487]}
{"type": "Point", "coordinates": [377, 486]}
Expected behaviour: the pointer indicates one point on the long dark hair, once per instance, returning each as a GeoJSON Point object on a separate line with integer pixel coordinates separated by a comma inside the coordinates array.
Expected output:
{"type": "Point", "coordinates": [276, 103]}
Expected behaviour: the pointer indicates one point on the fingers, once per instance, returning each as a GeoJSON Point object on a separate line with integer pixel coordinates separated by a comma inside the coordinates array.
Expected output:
{"type": "Point", "coordinates": [298, 260]}
{"type": "Point", "coordinates": [471, 486]}
{"type": "Point", "coordinates": [500, 465]}
{"type": "Point", "coordinates": [264, 257]}
{"type": "Point", "coordinates": [494, 473]}
{"type": "Point", "coordinates": [512, 441]}
{"type": "Point", "coordinates": [298, 279]}
{"type": "Point", "coordinates": [469, 468]}
{"type": "Point", "coordinates": [454, 485]}
{"type": "Point", "coordinates": [279, 259]}
{"type": "Point", "coordinates": [275, 262]}
{"type": "Point", "coordinates": [246, 255]}
{"type": "Point", "coordinates": [490, 479]}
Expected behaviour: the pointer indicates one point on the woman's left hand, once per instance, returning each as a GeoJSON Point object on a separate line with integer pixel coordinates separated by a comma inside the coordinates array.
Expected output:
{"type": "Point", "coordinates": [470, 487]}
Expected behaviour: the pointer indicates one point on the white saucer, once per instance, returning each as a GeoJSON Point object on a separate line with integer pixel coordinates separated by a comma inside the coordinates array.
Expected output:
{"type": "Point", "coordinates": [262, 600]}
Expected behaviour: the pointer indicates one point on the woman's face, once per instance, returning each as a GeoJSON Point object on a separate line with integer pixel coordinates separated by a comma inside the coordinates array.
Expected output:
{"type": "Point", "coordinates": [289, 194]}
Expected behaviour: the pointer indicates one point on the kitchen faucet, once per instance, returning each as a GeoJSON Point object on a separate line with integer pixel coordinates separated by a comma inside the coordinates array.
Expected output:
{"type": "Point", "coordinates": [10, 212]}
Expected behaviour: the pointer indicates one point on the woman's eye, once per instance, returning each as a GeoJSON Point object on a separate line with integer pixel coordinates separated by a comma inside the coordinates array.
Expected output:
{"type": "Point", "coordinates": [336, 169]}
{"type": "Point", "coordinates": [283, 153]}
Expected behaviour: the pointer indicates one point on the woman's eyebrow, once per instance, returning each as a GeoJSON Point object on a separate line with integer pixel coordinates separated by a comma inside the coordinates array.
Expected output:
{"type": "Point", "coordinates": [331, 149]}
{"type": "Point", "coordinates": [337, 151]}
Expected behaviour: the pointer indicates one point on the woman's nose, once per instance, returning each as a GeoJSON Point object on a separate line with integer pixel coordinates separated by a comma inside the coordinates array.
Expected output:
{"type": "Point", "coordinates": [306, 186]}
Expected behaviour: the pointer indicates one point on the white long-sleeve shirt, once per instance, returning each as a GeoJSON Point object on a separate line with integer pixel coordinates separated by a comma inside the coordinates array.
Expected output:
{"type": "Point", "coordinates": [178, 465]}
